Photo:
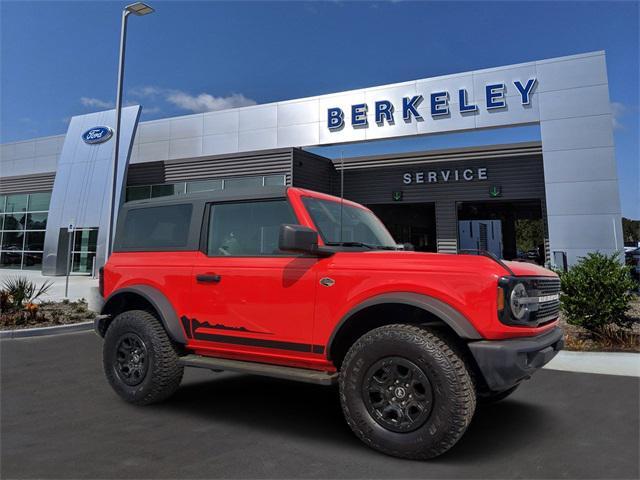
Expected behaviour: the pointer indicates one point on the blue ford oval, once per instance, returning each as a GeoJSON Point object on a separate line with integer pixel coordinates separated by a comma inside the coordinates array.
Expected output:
{"type": "Point", "coordinates": [97, 135]}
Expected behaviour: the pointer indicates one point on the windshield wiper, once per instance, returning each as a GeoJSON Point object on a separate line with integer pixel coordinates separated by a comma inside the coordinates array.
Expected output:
{"type": "Point", "coordinates": [360, 244]}
{"type": "Point", "coordinates": [350, 244]}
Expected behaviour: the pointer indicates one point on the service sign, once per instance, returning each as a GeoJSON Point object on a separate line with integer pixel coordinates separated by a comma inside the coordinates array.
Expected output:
{"type": "Point", "coordinates": [440, 104]}
{"type": "Point", "coordinates": [97, 135]}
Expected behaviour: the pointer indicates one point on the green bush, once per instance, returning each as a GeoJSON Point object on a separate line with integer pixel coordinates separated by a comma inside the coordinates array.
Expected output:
{"type": "Point", "coordinates": [596, 292]}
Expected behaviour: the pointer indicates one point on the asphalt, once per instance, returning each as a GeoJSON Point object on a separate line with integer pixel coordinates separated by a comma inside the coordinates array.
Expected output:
{"type": "Point", "coordinates": [60, 419]}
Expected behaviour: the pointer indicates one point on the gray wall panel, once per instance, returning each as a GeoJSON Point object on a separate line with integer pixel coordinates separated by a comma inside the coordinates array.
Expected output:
{"type": "Point", "coordinates": [521, 178]}
{"type": "Point", "coordinates": [221, 166]}
{"type": "Point", "coordinates": [27, 183]}
{"type": "Point", "coordinates": [315, 173]}
{"type": "Point", "coordinates": [146, 174]}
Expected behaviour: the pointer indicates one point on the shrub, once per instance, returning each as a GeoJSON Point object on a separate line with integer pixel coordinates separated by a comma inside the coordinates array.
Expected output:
{"type": "Point", "coordinates": [596, 292]}
{"type": "Point", "coordinates": [18, 292]}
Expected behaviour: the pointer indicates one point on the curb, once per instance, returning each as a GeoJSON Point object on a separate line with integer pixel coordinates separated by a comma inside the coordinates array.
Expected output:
{"type": "Point", "coordinates": [43, 331]}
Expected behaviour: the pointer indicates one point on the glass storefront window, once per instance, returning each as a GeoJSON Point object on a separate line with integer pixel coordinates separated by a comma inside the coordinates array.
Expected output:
{"type": "Point", "coordinates": [37, 221]}
{"type": "Point", "coordinates": [10, 259]}
{"type": "Point", "coordinates": [34, 241]}
{"type": "Point", "coordinates": [39, 202]}
{"type": "Point", "coordinates": [204, 186]}
{"type": "Point", "coordinates": [32, 261]}
{"type": "Point", "coordinates": [23, 221]}
{"type": "Point", "coordinates": [138, 193]}
{"type": "Point", "coordinates": [270, 180]}
{"type": "Point", "coordinates": [142, 192]}
{"type": "Point", "coordinates": [246, 182]}
{"type": "Point", "coordinates": [16, 203]}
{"type": "Point", "coordinates": [14, 221]}
{"type": "Point", "coordinates": [12, 241]}
{"type": "Point", "coordinates": [162, 190]}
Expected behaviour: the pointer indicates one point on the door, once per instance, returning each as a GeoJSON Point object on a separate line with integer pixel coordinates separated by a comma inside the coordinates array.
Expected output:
{"type": "Point", "coordinates": [247, 294]}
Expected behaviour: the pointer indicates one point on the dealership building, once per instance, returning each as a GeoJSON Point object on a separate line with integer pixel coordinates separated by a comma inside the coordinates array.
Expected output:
{"type": "Point", "coordinates": [549, 201]}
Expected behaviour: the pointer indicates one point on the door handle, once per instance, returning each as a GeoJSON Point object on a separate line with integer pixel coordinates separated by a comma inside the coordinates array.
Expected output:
{"type": "Point", "coordinates": [208, 278]}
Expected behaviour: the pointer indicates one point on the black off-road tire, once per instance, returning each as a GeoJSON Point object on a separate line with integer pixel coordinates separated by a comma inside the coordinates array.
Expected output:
{"type": "Point", "coordinates": [493, 397]}
{"type": "Point", "coordinates": [163, 372]}
{"type": "Point", "coordinates": [453, 398]}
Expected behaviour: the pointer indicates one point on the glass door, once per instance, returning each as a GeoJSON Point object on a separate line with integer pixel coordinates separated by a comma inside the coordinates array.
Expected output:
{"type": "Point", "coordinates": [85, 242]}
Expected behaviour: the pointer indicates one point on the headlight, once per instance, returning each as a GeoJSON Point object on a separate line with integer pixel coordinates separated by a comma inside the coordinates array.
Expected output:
{"type": "Point", "coordinates": [518, 309]}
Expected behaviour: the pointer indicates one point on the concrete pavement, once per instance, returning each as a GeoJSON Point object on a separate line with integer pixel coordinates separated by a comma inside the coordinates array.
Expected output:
{"type": "Point", "coordinates": [60, 419]}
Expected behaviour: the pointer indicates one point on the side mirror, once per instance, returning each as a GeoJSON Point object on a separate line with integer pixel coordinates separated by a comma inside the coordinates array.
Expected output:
{"type": "Point", "coordinates": [297, 238]}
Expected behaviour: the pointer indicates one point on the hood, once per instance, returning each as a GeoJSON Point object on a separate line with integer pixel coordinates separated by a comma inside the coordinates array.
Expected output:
{"type": "Point", "coordinates": [407, 260]}
{"type": "Point", "coordinates": [525, 269]}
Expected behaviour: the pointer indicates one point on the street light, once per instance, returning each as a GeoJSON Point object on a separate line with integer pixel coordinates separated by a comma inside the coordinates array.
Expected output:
{"type": "Point", "coordinates": [138, 9]}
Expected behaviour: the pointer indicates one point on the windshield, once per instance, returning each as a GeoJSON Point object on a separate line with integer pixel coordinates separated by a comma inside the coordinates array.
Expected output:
{"type": "Point", "coordinates": [359, 226]}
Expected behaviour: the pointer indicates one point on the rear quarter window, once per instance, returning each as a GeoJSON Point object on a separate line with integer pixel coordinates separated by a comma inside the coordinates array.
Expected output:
{"type": "Point", "coordinates": [156, 228]}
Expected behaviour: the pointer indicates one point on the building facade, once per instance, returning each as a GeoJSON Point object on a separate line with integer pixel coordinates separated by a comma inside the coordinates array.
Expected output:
{"type": "Point", "coordinates": [548, 201]}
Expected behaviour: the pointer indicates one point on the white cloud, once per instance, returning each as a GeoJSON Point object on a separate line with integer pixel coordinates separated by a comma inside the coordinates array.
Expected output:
{"type": "Point", "coordinates": [146, 91]}
{"type": "Point", "coordinates": [617, 111]}
{"type": "Point", "coordinates": [205, 102]}
{"type": "Point", "coordinates": [95, 103]}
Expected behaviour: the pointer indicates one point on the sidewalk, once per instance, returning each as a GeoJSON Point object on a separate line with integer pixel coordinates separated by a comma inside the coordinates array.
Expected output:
{"type": "Point", "coordinates": [607, 363]}
{"type": "Point", "coordinates": [80, 286]}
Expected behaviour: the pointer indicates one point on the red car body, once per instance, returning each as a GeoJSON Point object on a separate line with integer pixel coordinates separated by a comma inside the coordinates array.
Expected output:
{"type": "Point", "coordinates": [287, 310]}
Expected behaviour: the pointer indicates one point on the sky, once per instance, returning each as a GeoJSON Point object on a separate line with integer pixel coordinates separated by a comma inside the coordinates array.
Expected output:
{"type": "Point", "coordinates": [59, 59]}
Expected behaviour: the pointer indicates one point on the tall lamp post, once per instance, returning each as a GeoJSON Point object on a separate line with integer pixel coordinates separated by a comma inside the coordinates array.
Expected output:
{"type": "Point", "coordinates": [138, 9]}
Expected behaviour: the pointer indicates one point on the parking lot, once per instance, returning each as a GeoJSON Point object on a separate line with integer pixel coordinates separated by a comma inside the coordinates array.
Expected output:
{"type": "Point", "coordinates": [60, 419]}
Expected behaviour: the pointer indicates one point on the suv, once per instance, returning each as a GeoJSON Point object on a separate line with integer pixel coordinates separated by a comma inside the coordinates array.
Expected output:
{"type": "Point", "coordinates": [295, 284]}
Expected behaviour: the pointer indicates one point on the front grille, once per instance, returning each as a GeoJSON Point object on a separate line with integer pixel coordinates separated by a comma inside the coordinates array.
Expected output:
{"type": "Point", "coordinates": [547, 311]}
{"type": "Point", "coordinates": [545, 286]}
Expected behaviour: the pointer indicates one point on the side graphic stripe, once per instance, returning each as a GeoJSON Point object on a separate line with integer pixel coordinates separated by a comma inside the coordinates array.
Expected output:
{"type": "Point", "coordinates": [259, 342]}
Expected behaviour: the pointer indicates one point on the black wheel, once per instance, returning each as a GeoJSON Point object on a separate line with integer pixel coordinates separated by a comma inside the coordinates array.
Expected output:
{"type": "Point", "coordinates": [406, 392]}
{"type": "Point", "coordinates": [493, 397]}
{"type": "Point", "coordinates": [139, 359]}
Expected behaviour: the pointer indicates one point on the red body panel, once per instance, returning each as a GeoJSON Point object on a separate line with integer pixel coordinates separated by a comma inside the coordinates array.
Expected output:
{"type": "Point", "coordinates": [279, 300]}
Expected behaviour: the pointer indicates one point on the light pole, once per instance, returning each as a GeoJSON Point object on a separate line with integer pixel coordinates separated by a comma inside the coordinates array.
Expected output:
{"type": "Point", "coordinates": [138, 9]}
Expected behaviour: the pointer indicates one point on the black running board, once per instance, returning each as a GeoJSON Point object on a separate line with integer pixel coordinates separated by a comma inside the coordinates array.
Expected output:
{"type": "Point", "coordinates": [264, 369]}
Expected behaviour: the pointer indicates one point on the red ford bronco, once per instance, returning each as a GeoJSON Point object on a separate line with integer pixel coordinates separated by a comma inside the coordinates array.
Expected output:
{"type": "Point", "coordinates": [300, 285]}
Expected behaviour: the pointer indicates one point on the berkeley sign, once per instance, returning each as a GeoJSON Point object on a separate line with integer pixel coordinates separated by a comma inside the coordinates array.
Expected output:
{"type": "Point", "coordinates": [384, 110]}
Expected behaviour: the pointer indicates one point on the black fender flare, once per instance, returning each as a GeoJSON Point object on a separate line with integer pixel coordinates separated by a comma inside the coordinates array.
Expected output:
{"type": "Point", "coordinates": [445, 312]}
{"type": "Point", "coordinates": [160, 303]}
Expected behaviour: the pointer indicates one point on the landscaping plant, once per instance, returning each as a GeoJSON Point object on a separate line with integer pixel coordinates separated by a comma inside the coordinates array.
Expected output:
{"type": "Point", "coordinates": [20, 293]}
{"type": "Point", "coordinates": [596, 294]}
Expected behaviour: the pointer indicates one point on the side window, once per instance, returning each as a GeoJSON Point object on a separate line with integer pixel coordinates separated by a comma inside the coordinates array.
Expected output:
{"type": "Point", "coordinates": [247, 228]}
{"type": "Point", "coordinates": [156, 228]}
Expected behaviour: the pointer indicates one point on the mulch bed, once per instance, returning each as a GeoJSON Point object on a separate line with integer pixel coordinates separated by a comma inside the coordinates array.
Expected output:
{"type": "Point", "coordinates": [580, 339]}
{"type": "Point", "coordinates": [49, 314]}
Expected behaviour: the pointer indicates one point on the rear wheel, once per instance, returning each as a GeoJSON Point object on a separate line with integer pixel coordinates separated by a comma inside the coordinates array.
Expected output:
{"type": "Point", "coordinates": [140, 361]}
{"type": "Point", "coordinates": [405, 392]}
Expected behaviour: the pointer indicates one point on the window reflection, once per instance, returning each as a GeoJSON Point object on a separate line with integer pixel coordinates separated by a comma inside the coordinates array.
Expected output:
{"type": "Point", "coordinates": [23, 221]}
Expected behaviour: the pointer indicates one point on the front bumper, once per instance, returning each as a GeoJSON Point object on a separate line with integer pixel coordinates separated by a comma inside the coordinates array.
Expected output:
{"type": "Point", "coordinates": [504, 363]}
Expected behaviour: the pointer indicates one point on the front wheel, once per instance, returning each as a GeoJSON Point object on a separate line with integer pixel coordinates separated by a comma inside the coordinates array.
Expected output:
{"type": "Point", "coordinates": [140, 361]}
{"type": "Point", "coordinates": [406, 392]}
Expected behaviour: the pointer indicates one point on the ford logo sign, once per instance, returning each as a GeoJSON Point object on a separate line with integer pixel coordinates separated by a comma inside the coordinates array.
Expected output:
{"type": "Point", "coordinates": [97, 135]}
